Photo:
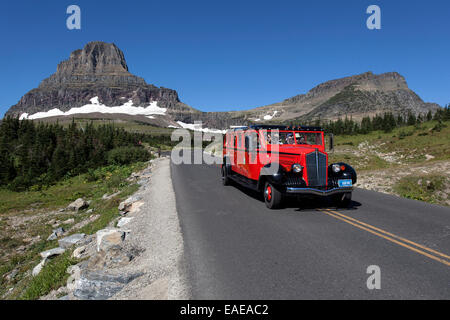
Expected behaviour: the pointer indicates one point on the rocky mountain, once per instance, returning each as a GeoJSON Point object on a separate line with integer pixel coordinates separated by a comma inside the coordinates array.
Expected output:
{"type": "Point", "coordinates": [99, 71]}
{"type": "Point", "coordinates": [361, 95]}
{"type": "Point", "coordinates": [95, 80]}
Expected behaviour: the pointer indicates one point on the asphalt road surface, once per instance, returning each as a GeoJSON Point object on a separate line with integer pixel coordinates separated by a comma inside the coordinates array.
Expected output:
{"type": "Point", "coordinates": [236, 248]}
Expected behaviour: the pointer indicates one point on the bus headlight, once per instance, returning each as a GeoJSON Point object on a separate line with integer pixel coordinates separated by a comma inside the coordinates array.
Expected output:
{"type": "Point", "coordinates": [336, 168]}
{"type": "Point", "coordinates": [297, 168]}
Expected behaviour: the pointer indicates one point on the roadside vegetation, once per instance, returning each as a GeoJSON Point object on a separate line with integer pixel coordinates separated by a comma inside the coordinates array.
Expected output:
{"type": "Point", "coordinates": [43, 168]}
{"type": "Point", "coordinates": [401, 160]}
{"type": "Point", "coordinates": [431, 188]}
{"type": "Point", "coordinates": [28, 218]}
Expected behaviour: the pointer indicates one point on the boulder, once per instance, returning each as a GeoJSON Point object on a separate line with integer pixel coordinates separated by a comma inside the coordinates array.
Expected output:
{"type": "Point", "coordinates": [79, 252]}
{"type": "Point", "coordinates": [52, 253]}
{"type": "Point", "coordinates": [75, 274]}
{"type": "Point", "coordinates": [56, 234]}
{"type": "Point", "coordinates": [38, 268]}
{"type": "Point", "coordinates": [98, 285]}
{"type": "Point", "coordinates": [116, 256]}
{"type": "Point", "coordinates": [107, 238]}
{"type": "Point", "coordinates": [69, 221]}
{"type": "Point", "coordinates": [75, 239]}
{"type": "Point", "coordinates": [123, 221]}
{"type": "Point", "coordinates": [78, 204]}
{"type": "Point", "coordinates": [124, 206]}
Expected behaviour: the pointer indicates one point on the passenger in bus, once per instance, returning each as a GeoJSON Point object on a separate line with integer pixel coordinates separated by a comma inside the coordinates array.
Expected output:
{"type": "Point", "coordinates": [290, 139]}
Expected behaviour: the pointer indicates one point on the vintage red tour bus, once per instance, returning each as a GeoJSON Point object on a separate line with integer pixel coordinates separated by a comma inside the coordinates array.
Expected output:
{"type": "Point", "coordinates": [282, 161]}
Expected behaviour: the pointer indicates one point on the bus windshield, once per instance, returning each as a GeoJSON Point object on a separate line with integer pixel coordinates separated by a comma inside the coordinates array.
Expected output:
{"type": "Point", "coordinates": [294, 138]}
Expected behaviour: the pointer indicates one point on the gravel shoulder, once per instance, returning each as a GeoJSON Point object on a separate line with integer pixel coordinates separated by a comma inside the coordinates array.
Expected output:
{"type": "Point", "coordinates": [155, 229]}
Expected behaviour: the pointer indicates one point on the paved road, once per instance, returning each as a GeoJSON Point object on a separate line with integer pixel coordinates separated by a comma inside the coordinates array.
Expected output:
{"type": "Point", "coordinates": [236, 248]}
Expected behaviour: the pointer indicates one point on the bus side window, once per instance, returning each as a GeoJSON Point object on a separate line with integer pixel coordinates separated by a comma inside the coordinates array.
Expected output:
{"type": "Point", "coordinates": [253, 141]}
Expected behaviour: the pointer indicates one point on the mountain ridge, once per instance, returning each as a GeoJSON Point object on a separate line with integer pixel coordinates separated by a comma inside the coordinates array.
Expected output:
{"type": "Point", "coordinates": [99, 71]}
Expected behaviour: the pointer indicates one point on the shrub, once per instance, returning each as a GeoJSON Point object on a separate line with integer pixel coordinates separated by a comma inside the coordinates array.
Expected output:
{"type": "Point", "coordinates": [127, 155]}
{"type": "Point", "coordinates": [403, 134]}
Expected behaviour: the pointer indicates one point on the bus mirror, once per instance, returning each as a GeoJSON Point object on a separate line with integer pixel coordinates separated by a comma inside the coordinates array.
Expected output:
{"type": "Point", "coordinates": [331, 142]}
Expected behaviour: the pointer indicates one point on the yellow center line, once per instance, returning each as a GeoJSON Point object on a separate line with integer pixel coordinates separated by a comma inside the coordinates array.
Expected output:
{"type": "Point", "coordinates": [391, 235]}
{"type": "Point", "coordinates": [332, 214]}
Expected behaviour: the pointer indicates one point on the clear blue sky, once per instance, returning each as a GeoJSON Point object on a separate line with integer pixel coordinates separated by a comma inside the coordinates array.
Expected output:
{"type": "Point", "coordinates": [228, 55]}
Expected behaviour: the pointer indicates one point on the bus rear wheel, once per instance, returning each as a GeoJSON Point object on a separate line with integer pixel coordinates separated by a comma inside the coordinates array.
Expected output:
{"type": "Point", "coordinates": [272, 197]}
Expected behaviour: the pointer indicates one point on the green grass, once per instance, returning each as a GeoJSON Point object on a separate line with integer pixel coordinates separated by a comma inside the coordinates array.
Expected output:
{"type": "Point", "coordinates": [411, 142]}
{"type": "Point", "coordinates": [90, 186]}
{"type": "Point", "coordinates": [52, 276]}
{"type": "Point", "coordinates": [423, 188]}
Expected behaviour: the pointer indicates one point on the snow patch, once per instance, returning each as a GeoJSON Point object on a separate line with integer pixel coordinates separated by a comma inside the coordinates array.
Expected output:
{"type": "Point", "coordinates": [198, 127]}
{"type": "Point", "coordinates": [270, 117]}
{"type": "Point", "coordinates": [96, 106]}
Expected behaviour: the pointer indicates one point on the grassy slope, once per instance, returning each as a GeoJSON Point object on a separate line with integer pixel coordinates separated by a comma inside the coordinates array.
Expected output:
{"type": "Point", "coordinates": [32, 209]}
{"type": "Point", "coordinates": [402, 149]}
{"type": "Point", "coordinates": [409, 145]}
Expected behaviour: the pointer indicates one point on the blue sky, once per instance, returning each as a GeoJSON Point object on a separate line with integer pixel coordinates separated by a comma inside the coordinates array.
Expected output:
{"type": "Point", "coordinates": [229, 55]}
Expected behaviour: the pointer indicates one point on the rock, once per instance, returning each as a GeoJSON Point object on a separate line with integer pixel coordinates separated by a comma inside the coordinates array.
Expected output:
{"type": "Point", "coordinates": [124, 206]}
{"type": "Point", "coordinates": [98, 285]}
{"type": "Point", "coordinates": [133, 199]}
{"type": "Point", "coordinates": [123, 221]}
{"type": "Point", "coordinates": [10, 276]}
{"type": "Point", "coordinates": [78, 204]}
{"type": "Point", "coordinates": [107, 238]}
{"type": "Point", "coordinates": [56, 234]}
{"type": "Point", "coordinates": [90, 211]}
{"type": "Point", "coordinates": [75, 274]}
{"type": "Point", "coordinates": [52, 237]}
{"type": "Point", "coordinates": [116, 256]}
{"type": "Point", "coordinates": [143, 182]}
{"type": "Point", "coordinates": [74, 239]}
{"type": "Point", "coordinates": [107, 197]}
{"type": "Point", "coordinates": [52, 253]}
{"type": "Point", "coordinates": [21, 248]}
{"type": "Point", "coordinates": [69, 221]}
{"type": "Point", "coordinates": [38, 268]}
{"type": "Point", "coordinates": [79, 252]}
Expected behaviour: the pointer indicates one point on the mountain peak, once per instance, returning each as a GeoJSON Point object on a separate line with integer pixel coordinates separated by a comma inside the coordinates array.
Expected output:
{"type": "Point", "coordinates": [96, 62]}
{"type": "Point", "coordinates": [97, 72]}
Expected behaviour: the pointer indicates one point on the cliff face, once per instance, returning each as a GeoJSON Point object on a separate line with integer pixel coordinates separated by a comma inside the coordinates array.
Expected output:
{"type": "Point", "coordinates": [97, 70]}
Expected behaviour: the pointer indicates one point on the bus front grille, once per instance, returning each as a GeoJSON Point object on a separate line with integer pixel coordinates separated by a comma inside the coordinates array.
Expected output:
{"type": "Point", "coordinates": [316, 168]}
